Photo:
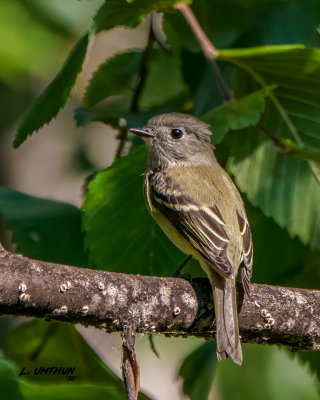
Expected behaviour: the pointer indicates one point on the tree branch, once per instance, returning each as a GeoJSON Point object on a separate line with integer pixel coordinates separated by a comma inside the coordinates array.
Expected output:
{"type": "Point", "coordinates": [173, 306]}
{"type": "Point", "coordinates": [208, 49]}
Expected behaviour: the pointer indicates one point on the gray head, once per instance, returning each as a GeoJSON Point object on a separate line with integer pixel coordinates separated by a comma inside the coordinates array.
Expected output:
{"type": "Point", "coordinates": [176, 139]}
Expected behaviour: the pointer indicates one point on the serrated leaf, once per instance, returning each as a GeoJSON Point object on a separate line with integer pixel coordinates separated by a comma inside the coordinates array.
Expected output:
{"type": "Point", "coordinates": [116, 76]}
{"type": "Point", "coordinates": [120, 235]}
{"type": "Point", "coordinates": [37, 223]}
{"type": "Point", "coordinates": [55, 95]}
{"type": "Point", "coordinates": [127, 13]}
{"type": "Point", "coordinates": [197, 371]}
{"type": "Point", "coordinates": [294, 114]}
{"type": "Point", "coordinates": [281, 185]}
{"type": "Point", "coordinates": [276, 267]}
{"type": "Point", "coordinates": [237, 114]}
{"type": "Point", "coordinates": [295, 70]}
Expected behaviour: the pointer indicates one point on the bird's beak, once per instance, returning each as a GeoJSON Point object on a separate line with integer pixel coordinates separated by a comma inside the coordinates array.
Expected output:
{"type": "Point", "coordinates": [141, 132]}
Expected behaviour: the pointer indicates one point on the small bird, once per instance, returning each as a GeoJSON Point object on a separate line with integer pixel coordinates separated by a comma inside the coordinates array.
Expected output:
{"type": "Point", "coordinates": [197, 205]}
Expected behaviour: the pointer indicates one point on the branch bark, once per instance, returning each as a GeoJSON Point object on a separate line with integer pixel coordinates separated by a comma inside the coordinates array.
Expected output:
{"type": "Point", "coordinates": [171, 306]}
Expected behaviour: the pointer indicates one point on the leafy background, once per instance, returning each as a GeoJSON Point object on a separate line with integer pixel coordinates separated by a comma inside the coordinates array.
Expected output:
{"type": "Point", "coordinates": [267, 138]}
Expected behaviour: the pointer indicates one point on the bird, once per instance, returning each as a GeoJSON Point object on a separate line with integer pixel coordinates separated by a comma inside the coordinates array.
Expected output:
{"type": "Point", "coordinates": [197, 205]}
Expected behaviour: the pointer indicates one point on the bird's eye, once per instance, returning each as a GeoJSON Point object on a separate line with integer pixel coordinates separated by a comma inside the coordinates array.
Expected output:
{"type": "Point", "coordinates": [176, 133]}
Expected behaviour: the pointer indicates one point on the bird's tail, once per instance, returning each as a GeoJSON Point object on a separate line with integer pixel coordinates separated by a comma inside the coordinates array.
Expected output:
{"type": "Point", "coordinates": [225, 304]}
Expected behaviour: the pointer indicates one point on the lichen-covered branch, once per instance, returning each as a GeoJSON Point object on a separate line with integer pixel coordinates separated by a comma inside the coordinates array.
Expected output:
{"type": "Point", "coordinates": [174, 306]}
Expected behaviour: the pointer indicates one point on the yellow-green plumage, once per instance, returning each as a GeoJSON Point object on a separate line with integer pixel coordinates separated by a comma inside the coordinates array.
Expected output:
{"type": "Point", "coordinates": [199, 208]}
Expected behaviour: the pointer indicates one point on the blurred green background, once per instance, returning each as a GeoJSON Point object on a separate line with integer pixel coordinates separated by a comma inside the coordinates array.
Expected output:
{"type": "Point", "coordinates": [37, 37]}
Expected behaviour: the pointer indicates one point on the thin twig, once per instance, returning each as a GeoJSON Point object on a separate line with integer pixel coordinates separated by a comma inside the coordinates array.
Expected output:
{"type": "Point", "coordinates": [208, 49]}
{"type": "Point", "coordinates": [134, 106]}
{"type": "Point", "coordinates": [275, 140]}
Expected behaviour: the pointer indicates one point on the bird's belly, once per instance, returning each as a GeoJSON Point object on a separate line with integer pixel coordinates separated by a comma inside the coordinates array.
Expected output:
{"type": "Point", "coordinates": [176, 238]}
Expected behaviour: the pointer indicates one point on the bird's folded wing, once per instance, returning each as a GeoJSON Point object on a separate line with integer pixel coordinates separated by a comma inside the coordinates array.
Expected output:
{"type": "Point", "coordinates": [247, 254]}
{"type": "Point", "coordinates": [202, 226]}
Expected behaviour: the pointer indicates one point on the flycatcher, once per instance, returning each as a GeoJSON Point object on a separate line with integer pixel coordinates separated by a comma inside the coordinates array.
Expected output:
{"type": "Point", "coordinates": [201, 211]}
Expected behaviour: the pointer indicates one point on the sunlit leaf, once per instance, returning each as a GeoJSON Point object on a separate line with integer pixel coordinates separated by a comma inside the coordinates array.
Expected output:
{"type": "Point", "coordinates": [120, 235]}
{"type": "Point", "coordinates": [55, 95]}
{"type": "Point", "coordinates": [237, 114]}
{"type": "Point", "coordinates": [281, 185]}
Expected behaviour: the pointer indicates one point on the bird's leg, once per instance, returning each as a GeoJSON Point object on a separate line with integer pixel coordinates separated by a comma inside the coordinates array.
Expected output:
{"type": "Point", "coordinates": [185, 262]}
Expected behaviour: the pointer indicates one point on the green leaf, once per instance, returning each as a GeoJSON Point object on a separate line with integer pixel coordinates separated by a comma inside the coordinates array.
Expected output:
{"type": "Point", "coordinates": [55, 95]}
{"type": "Point", "coordinates": [237, 114]}
{"type": "Point", "coordinates": [38, 343]}
{"type": "Point", "coordinates": [295, 70]}
{"type": "Point", "coordinates": [271, 178]}
{"type": "Point", "coordinates": [197, 371]}
{"type": "Point", "coordinates": [164, 82]}
{"type": "Point", "coordinates": [282, 186]}
{"type": "Point", "coordinates": [43, 229]}
{"type": "Point", "coordinates": [117, 75]}
{"type": "Point", "coordinates": [267, 373]}
{"type": "Point", "coordinates": [312, 360]}
{"type": "Point", "coordinates": [69, 391]}
{"type": "Point", "coordinates": [30, 48]}
{"type": "Point", "coordinates": [14, 387]}
{"type": "Point", "coordinates": [9, 384]}
{"type": "Point", "coordinates": [276, 267]}
{"type": "Point", "coordinates": [109, 112]}
{"type": "Point", "coordinates": [120, 235]}
{"type": "Point", "coordinates": [127, 13]}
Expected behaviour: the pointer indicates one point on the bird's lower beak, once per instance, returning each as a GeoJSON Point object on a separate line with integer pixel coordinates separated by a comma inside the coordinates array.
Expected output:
{"type": "Point", "coordinates": [141, 132]}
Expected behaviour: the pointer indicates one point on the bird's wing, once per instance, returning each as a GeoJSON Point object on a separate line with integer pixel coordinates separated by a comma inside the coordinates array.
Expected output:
{"type": "Point", "coordinates": [203, 226]}
{"type": "Point", "coordinates": [247, 254]}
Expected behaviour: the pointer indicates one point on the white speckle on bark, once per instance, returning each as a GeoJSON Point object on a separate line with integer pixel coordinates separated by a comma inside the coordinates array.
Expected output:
{"type": "Point", "coordinates": [112, 291]}
{"type": "Point", "coordinates": [165, 295]}
{"type": "Point", "coordinates": [64, 309]}
{"type": "Point", "coordinates": [63, 288]}
{"type": "Point", "coordinates": [85, 309]}
{"type": "Point", "coordinates": [176, 311]}
{"type": "Point", "coordinates": [189, 300]}
{"type": "Point", "coordinates": [291, 323]}
{"type": "Point", "coordinates": [154, 301]}
{"type": "Point", "coordinates": [122, 298]}
{"type": "Point", "coordinates": [24, 297]}
{"type": "Point", "coordinates": [22, 287]}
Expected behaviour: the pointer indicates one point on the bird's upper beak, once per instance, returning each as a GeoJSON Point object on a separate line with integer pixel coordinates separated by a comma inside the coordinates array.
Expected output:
{"type": "Point", "coordinates": [141, 132]}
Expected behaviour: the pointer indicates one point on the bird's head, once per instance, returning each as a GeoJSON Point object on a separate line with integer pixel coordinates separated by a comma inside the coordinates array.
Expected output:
{"type": "Point", "coordinates": [176, 139]}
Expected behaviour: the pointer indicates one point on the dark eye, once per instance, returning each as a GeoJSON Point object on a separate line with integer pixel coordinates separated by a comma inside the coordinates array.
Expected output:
{"type": "Point", "coordinates": [176, 133]}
